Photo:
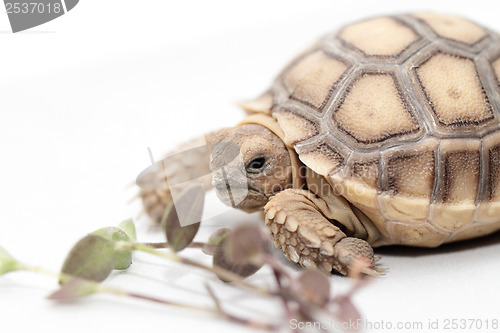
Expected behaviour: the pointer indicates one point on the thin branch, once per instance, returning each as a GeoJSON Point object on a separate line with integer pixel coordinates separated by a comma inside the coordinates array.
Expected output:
{"type": "Point", "coordinates": [288, 312]}
{"type": "Point", "coordinates": [230, 276]}
{"type": "Point", "coordinates": [239, 320]}
{"type": "Point", "coordinates": [120, 292]}
{"type": "Point", "coordinates": [164, 245]}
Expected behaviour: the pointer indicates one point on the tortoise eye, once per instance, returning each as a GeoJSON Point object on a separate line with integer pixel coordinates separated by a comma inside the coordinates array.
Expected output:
{"type": "Point", "coordinates": [256, 164]}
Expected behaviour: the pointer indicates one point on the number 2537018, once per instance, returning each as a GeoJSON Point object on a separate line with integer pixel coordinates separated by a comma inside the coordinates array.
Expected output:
{"type": "Point", "coordinates": [32, 8]}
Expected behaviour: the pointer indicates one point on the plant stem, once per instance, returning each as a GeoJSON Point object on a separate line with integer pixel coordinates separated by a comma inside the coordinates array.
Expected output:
{"type": "Point", "coordinates": [120, 292]}
{"type": "Point", "coordinates": [284, 301]}
{"type": "Point", "coordinates": [40, 270]}
{"type": "Point", "coordinates": [230, 317]}
{"type": "Point", "coordinates": [271, 261]}
{"type": "Point", "coordinates": [164, 245]}
{"type": "Point", "coordinates": [230, 276]}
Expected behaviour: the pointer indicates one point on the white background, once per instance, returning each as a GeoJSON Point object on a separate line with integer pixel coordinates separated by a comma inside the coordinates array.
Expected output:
{"type": "Point", "coordinates": [83, 96]}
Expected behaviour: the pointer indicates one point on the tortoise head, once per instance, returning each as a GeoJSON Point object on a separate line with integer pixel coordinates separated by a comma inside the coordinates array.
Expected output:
{"type": "Point", "coordinates": [249, 165]}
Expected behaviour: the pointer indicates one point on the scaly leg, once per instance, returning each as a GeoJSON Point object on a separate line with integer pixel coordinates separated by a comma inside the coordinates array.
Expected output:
{"type": "Point", "coordinates": [307, 237]}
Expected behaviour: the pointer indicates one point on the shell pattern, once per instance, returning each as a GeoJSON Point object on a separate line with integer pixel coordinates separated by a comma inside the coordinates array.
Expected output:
{"type": "Point", "coordinates": [401, 115]}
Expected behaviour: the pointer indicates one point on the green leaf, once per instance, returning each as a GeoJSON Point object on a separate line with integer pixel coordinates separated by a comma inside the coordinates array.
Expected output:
{"type": "Point", "coordinates": [7, 262]}
{"type": "Point", "coordinates": [92, 258]}
{"type": "Point", "coordinates": [189, 206]}
{"type": "Point", "coordinates": [73, 289]}
{"type": "Point", "coordinates": [222, 260]}
{"type": "Point", "coordinates": [115, 234]}
{"type": "Point", "coordinates": [129, 227]}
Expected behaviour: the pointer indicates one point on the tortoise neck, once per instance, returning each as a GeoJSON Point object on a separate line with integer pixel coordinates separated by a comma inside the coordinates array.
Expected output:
{"type": "Point", "coordinates": [271, 124]}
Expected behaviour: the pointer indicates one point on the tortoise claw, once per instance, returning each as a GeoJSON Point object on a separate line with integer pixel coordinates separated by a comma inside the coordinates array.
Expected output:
{"type": "Point", "coordinates": [374, 272]}
{"type": "Point", "coordinates": [366, 267]}
{"type": "Point", "coordinates": [371, 272]}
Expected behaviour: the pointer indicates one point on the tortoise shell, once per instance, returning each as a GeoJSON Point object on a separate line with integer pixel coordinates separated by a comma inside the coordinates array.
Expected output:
{"type": "Point", "coordinates": [401, 115]}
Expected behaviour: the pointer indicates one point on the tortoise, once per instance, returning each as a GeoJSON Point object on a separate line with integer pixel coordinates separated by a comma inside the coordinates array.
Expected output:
{"type": "Point", "coordinates": [383, 132]}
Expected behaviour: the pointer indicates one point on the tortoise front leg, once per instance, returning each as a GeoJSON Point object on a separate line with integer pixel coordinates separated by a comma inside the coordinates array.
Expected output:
{"type": "Point", "coordinates": [307, 237]}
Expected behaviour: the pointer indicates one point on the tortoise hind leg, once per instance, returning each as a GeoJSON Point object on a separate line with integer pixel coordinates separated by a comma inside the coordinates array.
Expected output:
{"type": "Point", "coordinates": [307, 237]}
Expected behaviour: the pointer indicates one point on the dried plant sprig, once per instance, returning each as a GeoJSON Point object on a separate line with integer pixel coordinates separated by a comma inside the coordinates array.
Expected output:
{"type": "Point", "coordinates": [237, 253]}
{"type": "Point", "coordinates": [299, 291]}
{"type": "Point", "coordinates": [74, 287]}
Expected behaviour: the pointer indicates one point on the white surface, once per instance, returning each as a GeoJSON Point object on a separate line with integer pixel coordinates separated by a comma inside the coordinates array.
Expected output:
{"type": "Point", "coordinates": [83, 96]}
